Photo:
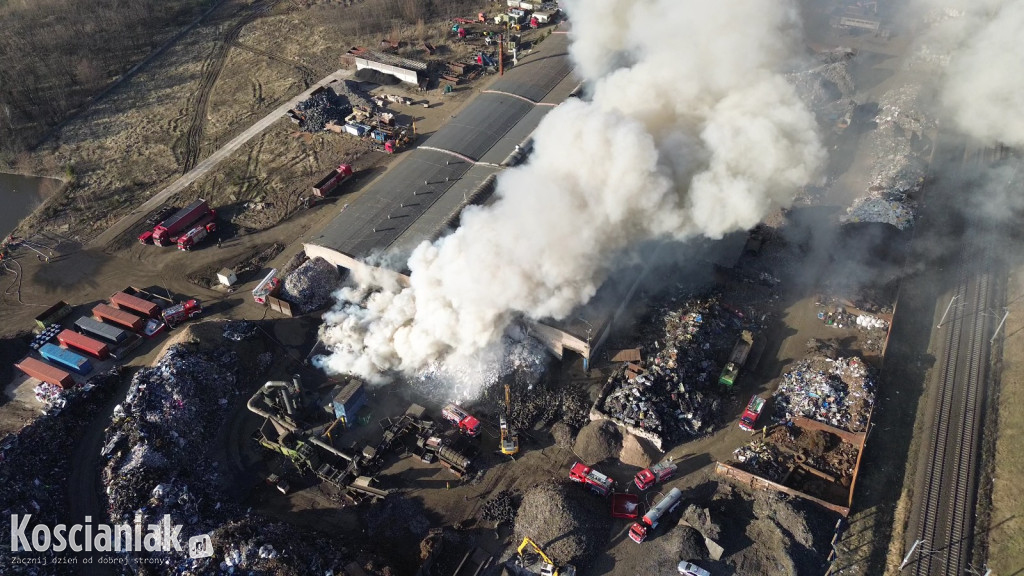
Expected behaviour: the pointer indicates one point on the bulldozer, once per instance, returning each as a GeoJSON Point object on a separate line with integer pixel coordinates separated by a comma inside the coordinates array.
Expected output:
{"type": "Point", "coordinates": [547, 566]}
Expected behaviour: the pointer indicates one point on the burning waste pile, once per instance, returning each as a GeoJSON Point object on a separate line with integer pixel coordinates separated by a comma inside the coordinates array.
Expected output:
{"type": "Point", "coordinates": [898, 171]}
{"type": "Point", "coordinates": [683, 170]}
{"type": "Point", "coordinates": [828, 88]}
{"type": "Point", "coordinates": [675, 395]}
{"type": "Point", "coordinates": [309, 286]}
{"type": "Point", "coordinates": [839, 392]}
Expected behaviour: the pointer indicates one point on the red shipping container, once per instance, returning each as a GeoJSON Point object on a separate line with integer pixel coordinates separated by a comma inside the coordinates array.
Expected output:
{"type": "Point", "coordinates": [42, 371]}
{"type": "Point", "coordinates": [135, 304]}
{"type": "Point", "coordinates": [119, 317]}
{"type": "Point", "coordinates": [81, 342]}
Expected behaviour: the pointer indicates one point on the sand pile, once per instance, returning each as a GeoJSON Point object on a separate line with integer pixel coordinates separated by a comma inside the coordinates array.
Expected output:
{"type": "Point", "coordinates": [598, 441]}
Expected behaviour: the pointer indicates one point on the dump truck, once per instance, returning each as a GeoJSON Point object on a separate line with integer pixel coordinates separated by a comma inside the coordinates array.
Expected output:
{"type": "Point", "coordinates": [93, 327]}
{"type": "Point", "coordinates": [337, 176]}
{"type": "Point", "coordinates": [660, 472]}
{"type": "Point", "coordinates": [466, 424]}
{"type": "Point", "coordinates": [45, 373]}
{"type": "Point", "coordinates": [737, 358]}
{"type": "Point", "coordinates": [133, 303]}
{"type": "Point", "coordinates": [65, 359]}
{"type": "Point", "coordinates": [71, 339]}
{"type": "Point", "coordinates": [592, 479]}
{"type": "Point", "coordinates": [639, 531]}
{"type": "Point", "coordinates": [167, 232]}
{"type": "Point", "coordinates": [119, 317]}
{"type": "Point", "coordinates": [195, 235]}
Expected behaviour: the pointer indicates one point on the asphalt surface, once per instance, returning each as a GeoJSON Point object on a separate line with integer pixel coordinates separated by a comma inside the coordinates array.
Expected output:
{"type": "Point", "coordinates": [425, 191]}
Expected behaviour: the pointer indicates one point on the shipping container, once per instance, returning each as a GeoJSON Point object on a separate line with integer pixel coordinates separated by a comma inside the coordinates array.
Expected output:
{"type": "Point", "coordinates": [119, 317]}
{"type": "Point", "coordinates": [65, 358]}
{"type": "Point", "coordinates": [134, 303]}
{"type": "Point", "coordinates": [53, 314]}
{"type": "Point", "coordinates": [98, 329]}
{"type": "Point", "coordinates": [95, 348]}
{"type": "Point", "coordinates": [42, 371]}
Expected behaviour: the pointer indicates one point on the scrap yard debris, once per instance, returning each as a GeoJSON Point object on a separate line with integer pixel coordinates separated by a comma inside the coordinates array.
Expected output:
{"type": "Point", "coordinates": [309, 286]}
{"type": "Point", "coordinates": [675, 395]}
{"type": "Point", "coordinates": [839, 392]}
{"type": "Point", "coordinates": [573, 520]}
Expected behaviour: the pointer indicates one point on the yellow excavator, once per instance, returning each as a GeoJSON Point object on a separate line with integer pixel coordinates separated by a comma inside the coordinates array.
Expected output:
{"type": "Point", "coordinates": [548, 567]}
{"type": "Point", "coordinates": [509, 438]}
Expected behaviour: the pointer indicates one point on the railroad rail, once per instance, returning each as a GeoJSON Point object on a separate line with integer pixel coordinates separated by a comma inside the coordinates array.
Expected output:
{"type": "Point", "coordinates": [945, 525]}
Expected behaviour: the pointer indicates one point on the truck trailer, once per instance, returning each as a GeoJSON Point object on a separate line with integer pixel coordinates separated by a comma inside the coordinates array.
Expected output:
{"type": "Point", "coordinates": [640, 530]}
{"type": "Point", "coordinates": [337, 176]}
{"type": "Point", "coordinates": [53, 315]}
{"type": "Point", "coordinates": [71, 339]}
{"type": "Point", "coordinates": [106, 332]}
{"type": "Point", "coordinates": [44, 372]}
{"type": "Point", "coordinates": [119, 317]}
{"type": "Point", "coordinates": [167, 231]}
{"type": "Point", "coordinates": [131, 303]}
{"type": "Point", "coordinates": [65, 358]}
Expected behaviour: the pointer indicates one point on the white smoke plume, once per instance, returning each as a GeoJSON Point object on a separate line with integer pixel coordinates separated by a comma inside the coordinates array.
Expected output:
{"type": "Point", "coordinates": [691, 130]}
{"type": "Point", "coordinates": [978, 42]}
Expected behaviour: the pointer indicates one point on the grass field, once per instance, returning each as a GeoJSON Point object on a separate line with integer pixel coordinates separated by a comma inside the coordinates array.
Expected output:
{"type": "Point", "coordinates": [1006, 540]}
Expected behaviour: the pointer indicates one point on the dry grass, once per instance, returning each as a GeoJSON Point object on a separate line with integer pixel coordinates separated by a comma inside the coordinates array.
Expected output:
{"type": "Point", "coordinates": [1006, 539]}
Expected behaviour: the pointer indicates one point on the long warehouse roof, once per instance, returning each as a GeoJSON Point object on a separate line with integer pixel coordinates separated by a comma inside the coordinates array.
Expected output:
{"type": "Point", "coordinates": [422, 194]}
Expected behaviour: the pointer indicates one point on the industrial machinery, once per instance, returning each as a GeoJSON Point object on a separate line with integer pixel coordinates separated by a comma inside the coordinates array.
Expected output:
{"type": "Point", "coordinates": [547, 567]}
{"type": "Point", "coordinates": [639, 531]}
{"type": "Point", "coordinates": [509, 437]}
{"type": "Point", "coordinates": [658, 473]}
{"type": "Point", "coordinates": [597, 482]}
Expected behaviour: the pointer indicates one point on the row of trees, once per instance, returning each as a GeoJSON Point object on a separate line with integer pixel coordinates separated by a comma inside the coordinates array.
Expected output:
{"type": "Point", "coordinates": [55, 54]}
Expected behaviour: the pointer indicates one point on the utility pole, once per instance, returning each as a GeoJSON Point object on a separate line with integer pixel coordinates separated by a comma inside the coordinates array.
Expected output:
{"type": "Point", "coordinates": [943, 320]}
{"type": "Point", "coordinates": [1000, 327]}
{"type": "Point", "coordinates": [907, 557]}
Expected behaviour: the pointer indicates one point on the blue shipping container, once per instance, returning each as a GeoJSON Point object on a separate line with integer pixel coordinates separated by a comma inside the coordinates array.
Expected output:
{"type": "Point", "coordinates": [94, 327]}
{"type": "Point", "coordinates": [348, 401]}
{"type": "Point", "coordinates": [65, 358]}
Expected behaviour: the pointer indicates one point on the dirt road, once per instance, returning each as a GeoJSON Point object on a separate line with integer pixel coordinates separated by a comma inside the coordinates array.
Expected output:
{"type": "Point", "coordinates": [208, 164]}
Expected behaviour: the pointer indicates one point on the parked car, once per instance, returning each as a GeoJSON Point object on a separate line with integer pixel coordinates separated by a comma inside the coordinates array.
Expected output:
{"type": "Point", "coordinates": [688, 569]}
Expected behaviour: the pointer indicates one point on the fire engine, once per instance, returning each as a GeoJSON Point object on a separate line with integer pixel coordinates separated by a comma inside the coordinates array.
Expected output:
{"type": "Point", "coordinates": [591, 478]}
{"type": "Point", "coordinates": [658, 473]}
{"type": "Point", "coordinates": [461, 419]}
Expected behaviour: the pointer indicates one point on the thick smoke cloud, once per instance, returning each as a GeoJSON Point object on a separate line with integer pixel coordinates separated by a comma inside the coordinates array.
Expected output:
{"type": "Point", "coordinates": [690, 129]}
{"type": "Point", "coordinates": [979, 43]}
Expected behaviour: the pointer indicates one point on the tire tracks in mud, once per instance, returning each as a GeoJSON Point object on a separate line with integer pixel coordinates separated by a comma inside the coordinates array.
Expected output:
{"type": "Point", "coordinates": [199, 104]}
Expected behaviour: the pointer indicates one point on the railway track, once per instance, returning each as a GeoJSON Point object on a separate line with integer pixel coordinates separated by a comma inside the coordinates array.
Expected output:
{"type": "Point", "coordinates": [945, 524]}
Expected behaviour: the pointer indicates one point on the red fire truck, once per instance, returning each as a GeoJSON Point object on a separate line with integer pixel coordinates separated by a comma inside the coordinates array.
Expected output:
{"type": "Point", "coordinates": [591, 478]}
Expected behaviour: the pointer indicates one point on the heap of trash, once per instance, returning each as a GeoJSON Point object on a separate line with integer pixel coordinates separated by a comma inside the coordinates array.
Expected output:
{"type": "Point", "coordinates": [500, 508]}
{"type": "Point", "coordinates": [50, 396]}
{"type": "Point", "coordinates": [568, 518]}
{"type": "Point", "coordinates": [675, 395]}
{"type": "Point", "coordinates": [309, 286]}
{"type": "Point", "coordinates": [839, 392]}
{"type": "Point", "coordinates": [322, 107]}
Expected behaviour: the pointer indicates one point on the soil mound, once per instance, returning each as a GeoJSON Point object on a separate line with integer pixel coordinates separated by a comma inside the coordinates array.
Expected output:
{"type": "Point", "coordinates": [598, 441]}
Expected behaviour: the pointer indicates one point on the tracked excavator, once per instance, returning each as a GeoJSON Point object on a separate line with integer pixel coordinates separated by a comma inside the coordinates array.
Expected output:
{"type": "Point", "coordinates": [547, 566]}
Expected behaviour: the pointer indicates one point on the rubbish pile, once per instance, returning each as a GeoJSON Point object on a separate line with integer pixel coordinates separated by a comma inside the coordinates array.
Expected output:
{"type": "Point", "coordinates": [897, 171]}
{"type": "Point", "coordinates": [500, 508]}
{"type": "Point", "coordinates": [572, 522]}
{"type": "Point", "coordinates": [598, 441]}
{"type": "Point", "coordinates": [839, 392]}
{"type": "Point", "coordinates": [309, 286]}
{"type": "Point", "coordinates": [322, 107]}
{"type": "Point", "coordinates": [675, 394]}
{"type": "Point", "coordinates": [764, 459]}
{"type": "Point", "coordinates": [50, 396]}
{"type": "Point", "coordinates": [35, 466]}
{"type": "Point", "coordinates": [239, 330]}
{"type": "Point", "coordinates": [159, 432]}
